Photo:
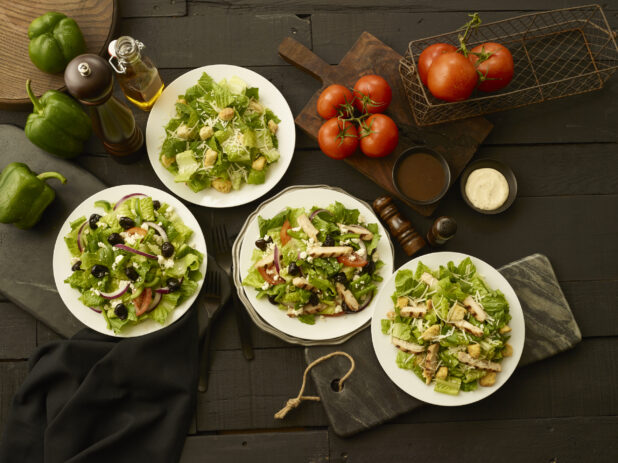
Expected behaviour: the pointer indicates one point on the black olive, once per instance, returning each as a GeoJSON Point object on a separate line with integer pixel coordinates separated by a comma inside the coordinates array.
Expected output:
{"type": "Point", "coordinates": [293, 269]}
{"type": "Point", "coordinates": [121, 311]}
{"type": "Point", "coordinates": [369, 268]}
{"type": "Point", "coordinates": [92, 221]}
{"type": "Point", "coordinates": [313, 299]}
{"type": "Point", "coordinates": [99, 271]}
{"type": "Point", "coordinates": [167, 249]}
{"type": "Point", "coordinates": [156, 205]}
{"type": "Point", "coordinates": [261, 244]}
{"type": "Point", "coordinates": [329, 241]}
{"type": "Point", "coordinates": [77, 266]}
{"type": "Point", "coordinates": [126, 222]}
{"type": "Point", "coordinates": [115, 238]}
{"type": "Point", "coordinates": [173, 284]}
{"type": "Point", "coordinates": [341, 278]}
{"type": "Point", "coordinates": [271, 299]}
{"type": "Point", "coordinates": [131, 273]}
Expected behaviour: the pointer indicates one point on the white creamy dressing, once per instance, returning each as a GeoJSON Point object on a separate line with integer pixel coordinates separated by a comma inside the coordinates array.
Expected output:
{"type": "Point", "coordinates": [487, 189]}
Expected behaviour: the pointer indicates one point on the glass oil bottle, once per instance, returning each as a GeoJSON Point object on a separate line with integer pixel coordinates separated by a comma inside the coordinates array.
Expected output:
{"type": "Point", "coordinates": [138, 77]}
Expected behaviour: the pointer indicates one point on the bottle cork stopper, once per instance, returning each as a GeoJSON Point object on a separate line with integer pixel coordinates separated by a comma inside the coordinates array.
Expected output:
{"type": "Point", "coordinates": [400, 228]}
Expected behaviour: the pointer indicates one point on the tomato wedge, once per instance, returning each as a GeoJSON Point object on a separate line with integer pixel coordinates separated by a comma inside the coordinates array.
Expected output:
{"type": "Point", "coordinates": [144, 301]}
{"type": "Point", "coordinates": [137, 231]}
{"type": "Point", "coordinates": [271, 278]}
{"type": "Point", "coordinates": [353, 260]}
{"type": "Point", "coordinates": [285, 238]}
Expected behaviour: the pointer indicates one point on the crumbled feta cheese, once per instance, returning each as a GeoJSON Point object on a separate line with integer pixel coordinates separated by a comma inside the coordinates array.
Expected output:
{"type": "Point", "coordinates": [160, 224]}
{"type": "Point", "coordinates": [130, 238]}
{"type": "Point", "coordinates": [375, 256]}
{"type": "Point", "coordinates": [309, 259]}
{"type": "Point", "coordinates": [265, 237]}
{"type": "Point", "coordinates": [144, 227]}
{"type": "Point", "coordinates": [158, 239]}
{"type": "Point", "coordinates": [102, 224]}
{"type": "Point", "coordinates": [361, 218]}
{"type": "Point", "coordinates": [265, 286]}
{"type": "Point", "coordinates": [311, 241]}
{"type": "Point", "coordinates": [97, 292]}
{"type": "Point", "coordinates": [362, 251]}
{"type": "Point", "coordinates": [338, 308]}
{"type": "Point", "coordinates": [101, 245]}
{"type": "Point", "coordinates": [303, 255]}
{"type": "Point", "coordinates": [165, 263]}
{"type": "Point", "coordinates": [296, 229]}
{"type": "Point", "coordinates": [118, 258]}
{"type": "Point", "coordinates": [74, 260]}
{"type": "Point", "coordinates": [356, 277]}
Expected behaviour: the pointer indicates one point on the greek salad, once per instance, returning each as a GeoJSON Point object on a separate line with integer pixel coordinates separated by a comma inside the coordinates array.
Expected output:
{"type": "Point", "coordinates": [133, 261]}
{"type": "Point", "coordinates": [221, 136]}
{"type": "Point", "coordinates": [317, 262]}
{"type": "Point", "coordinates": [449, 327]}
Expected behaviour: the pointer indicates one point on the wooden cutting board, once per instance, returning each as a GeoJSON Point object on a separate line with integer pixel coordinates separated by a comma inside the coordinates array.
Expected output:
{"type": "Point", "coordinates": [456, 141]}
{"type": "Point", "coordinates": [370, 398]}
{"type": "Point", "coordinates": [96, 19]}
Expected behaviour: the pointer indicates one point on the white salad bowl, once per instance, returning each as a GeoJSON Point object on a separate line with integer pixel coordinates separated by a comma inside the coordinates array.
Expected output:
{"type": "Point", "coordinates": [62, 260]}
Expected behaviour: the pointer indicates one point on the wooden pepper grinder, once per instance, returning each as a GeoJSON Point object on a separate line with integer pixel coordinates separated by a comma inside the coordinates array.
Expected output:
{"type": "Point", "coordinates": [442, 230]}
{"type": "Point", "coordinates": [89, 78]}
{"type": "Point", "coordinates": [400, 228]}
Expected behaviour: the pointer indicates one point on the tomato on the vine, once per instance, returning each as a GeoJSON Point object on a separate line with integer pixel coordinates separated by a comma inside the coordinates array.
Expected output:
{"type": "Point", "coordinates": [270, 275]}
{"type": "Point", "coordinates": [452, 77]}
{"type": "Point", "coordinates": [372, 94]}
{"type": "Point", "coordinates": [331, 100]}
{"type": "Point", "coordinates": [428, 55]}
{"type": "Point", "coordinates": [352, 261]}
{"type": "Point", "coordinates": [379, 136]}
{"type": "Point", "coordinates": [337, 138]}
{"type": "Point", "coordinates": [495, 64]}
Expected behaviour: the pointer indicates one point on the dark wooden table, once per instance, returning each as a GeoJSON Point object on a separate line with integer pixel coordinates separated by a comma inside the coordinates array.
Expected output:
{"type": "Point", "coordinates": [565, 156]}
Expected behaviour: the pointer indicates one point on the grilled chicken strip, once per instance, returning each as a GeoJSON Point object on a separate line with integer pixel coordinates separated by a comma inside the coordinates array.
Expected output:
{"type": "Point", "coordinates": [408, 346]}
{"type": "Point", "coordinates": [475, 309]}
{"type": "Point", "coordinates": [429, 279]}
{"type": "Point", "coordinates": [414, 310]}
{"type": "Point", "coordinates": [431, 362]}
{"type": "Point", "coordinates": [348, 297]}
{"type": "Point", "coordinates": [330, 251]}
{"type": "Point", "coordinates": [469, 327]}
{"type": "Point", "coordinates": [466, 358]}
{"type": "Point", "coordinates": [365, 234]}
{"type": "Point", "coordinates": [265, 261]}
{"type": "Point", "coordinates": [308, 227]}
{"type": "Point", "coordinates": [300, 282]}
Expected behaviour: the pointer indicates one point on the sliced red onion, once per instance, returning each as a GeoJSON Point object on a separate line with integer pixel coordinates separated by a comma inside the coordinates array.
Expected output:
{"type": "Point", "coordinates": [80, 246]}
{"type": "Point", "coordinates": [158, 228]}
{"type": "Point", "coordinates": [155, 301]}
{"type": "Point", "coordinates": [366, 302]}
{"type": "Point", "coordinates": [166, 290]}
{"type": "Point", "coordinates": [316, 212]}
{"type": "Point", "coordinates": [124, 198]}
{"type": "Point", "coordinates": [95, 309]}
{"type": "Point", "coordinates": [124, 247]}
{"type": "Point", "coordinates": [277, 262]}
{"type": "Point", "coordinates": [116, 294]}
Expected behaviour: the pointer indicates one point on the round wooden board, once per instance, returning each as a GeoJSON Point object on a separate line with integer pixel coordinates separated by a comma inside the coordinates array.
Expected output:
{"type": "Point", "coordinates": [96, 19]}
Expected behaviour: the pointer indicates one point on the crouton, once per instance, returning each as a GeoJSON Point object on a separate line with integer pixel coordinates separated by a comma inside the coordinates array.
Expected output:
{"type": "Point", "coordinates": [505, 329]}
{"type": "Point", "coordinates": [442, 373]}
{"type": "Point", "coordinates": [507, 351]}
{"type": "Point", "coordinates": [489, 379]}
{"type": "Point", "coordinates": [223, 186]}
{"type": "Point", "coordinates": [206, 132]}
{"type": "Point", "coordinates": [259, 163]}
{"type": "Point", "coordinates": [226, 114]}
{"type": "Point", "coordinates": [474, 350]}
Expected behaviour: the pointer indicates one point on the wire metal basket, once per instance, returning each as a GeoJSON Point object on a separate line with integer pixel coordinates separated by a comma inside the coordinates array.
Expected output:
{"type": "Point", "coordinates": [556, 53]}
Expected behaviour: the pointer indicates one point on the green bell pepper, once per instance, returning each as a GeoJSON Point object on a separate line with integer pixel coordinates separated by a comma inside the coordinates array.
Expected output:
{"type": "Point", "coordinates": [24, 195]}
{"type": "Point", "coordinates": [58, 124]}
{"type": "Point", "coordinates": [54, 41]}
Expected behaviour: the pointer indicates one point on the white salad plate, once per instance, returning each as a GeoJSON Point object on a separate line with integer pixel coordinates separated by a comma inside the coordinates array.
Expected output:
{"type": "Point", "coordinates": [164, 109]}
{"type": "Point", "coordinates": [406, 380]}
{"type": "Point", "coordinates": [326, 330]}
{"type": "Point", "coordinates": [62, 260]}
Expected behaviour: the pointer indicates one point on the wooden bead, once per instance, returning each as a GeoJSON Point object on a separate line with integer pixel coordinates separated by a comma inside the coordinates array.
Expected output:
{"type": "Point", "coordinates": [400, 228]}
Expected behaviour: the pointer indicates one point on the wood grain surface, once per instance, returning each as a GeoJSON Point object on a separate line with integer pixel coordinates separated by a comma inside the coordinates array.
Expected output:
{"type": "Point", "coordinates": [456, 141]}
{"type": "Point", "coordinates": [95, 18]}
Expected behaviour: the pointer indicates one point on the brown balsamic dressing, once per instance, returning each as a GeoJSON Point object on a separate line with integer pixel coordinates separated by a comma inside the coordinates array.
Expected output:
{"type": "Point", "coordinates": [421, 177]}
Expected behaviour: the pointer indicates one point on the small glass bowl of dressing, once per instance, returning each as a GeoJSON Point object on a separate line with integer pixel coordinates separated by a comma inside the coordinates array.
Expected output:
{"type": "Point", "coordinates": [488, 186]}
{"type": "Point", "coordinates": [421, 175]}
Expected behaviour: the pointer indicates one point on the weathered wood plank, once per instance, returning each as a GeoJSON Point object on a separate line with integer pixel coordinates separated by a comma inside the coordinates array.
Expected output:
{"type": "Point", "coordinates": [12, 374]}
{"type": "Point", "coordinates": [246, 395]}
{"type": "Point", "coordinates": [594, 306]}
{"type": "Point", "coordinates": [302, 446]}
{"type": "Point", "coordinates": [580, 382]}
{"type": "Point", "coordinates": [150, 8]}
{"type": "Point", "coordinates": [45, 335]}
{"type": "Point", "coordinates": [17, 332]}
{"type": "Point", "coordinates": [547, 440]}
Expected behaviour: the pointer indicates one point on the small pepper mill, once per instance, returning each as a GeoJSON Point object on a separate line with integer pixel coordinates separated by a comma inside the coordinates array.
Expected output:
{"type": "Point", "coordinates": [402, 229]}
{"type": "Point", "coordinates": [89, 78]}
{"type": "Point", "coordinates": [442, 230]}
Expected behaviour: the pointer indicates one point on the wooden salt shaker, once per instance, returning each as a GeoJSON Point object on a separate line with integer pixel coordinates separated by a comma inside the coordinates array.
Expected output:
{"type": "Point", "coordinates": [442, 230]}
{"type": "Point", "coordinates": [400, 228]}
{"type": "Point", "coordinates": [89, 78]}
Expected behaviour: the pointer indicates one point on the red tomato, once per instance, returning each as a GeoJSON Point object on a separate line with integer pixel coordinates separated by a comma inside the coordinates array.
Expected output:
{"type": "Point", "coordinates": [283, 234]}
{"type": "Point", "coordinates": [270, 275]}
{"type": "Point", "coordinates": [348, 262]}
{"type": "Point", "coordinates": [372, 94]}
{"type": "Point", "coordinates": [338, 139]}
{"type": "Point", "coordinates": [429, 54]}
{"type": "Point", "coordinates": [379, 136]}
{"type": "Point", "coordinates": [143, 301]}
{"type": "Point", "coordinates": [495, 63]}
{"type": "Point", "coordinates": [331, 99]}
{"type": "Point", "coordinates": [452, 77]}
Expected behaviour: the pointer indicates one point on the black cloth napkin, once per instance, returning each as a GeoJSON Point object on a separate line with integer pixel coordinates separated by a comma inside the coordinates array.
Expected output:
{"type": "Point", "coordinates": [95, 398]}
